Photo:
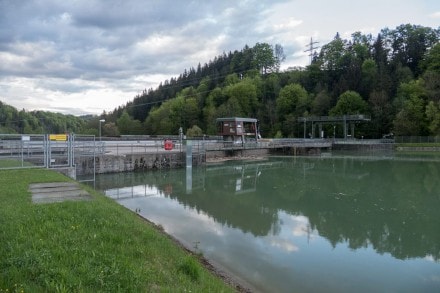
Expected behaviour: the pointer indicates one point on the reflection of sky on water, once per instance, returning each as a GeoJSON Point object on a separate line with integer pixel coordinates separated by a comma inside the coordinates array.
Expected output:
{"type": "Point", "coordinates": [128, 192]}
{"type": "Point", "coordinates": [292, 257]}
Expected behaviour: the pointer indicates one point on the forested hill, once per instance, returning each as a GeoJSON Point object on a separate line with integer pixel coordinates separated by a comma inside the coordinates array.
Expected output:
{"type": "Point", "coordinates": [394, 77]}
{"type": "Point", "coordinates": [208, 76]}
{"type": "Point", "coordinates": [13, 121]}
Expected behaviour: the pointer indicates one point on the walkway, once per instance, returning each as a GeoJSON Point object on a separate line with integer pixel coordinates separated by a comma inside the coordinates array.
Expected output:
{"type": "Point", "coordinates": [57, 192]}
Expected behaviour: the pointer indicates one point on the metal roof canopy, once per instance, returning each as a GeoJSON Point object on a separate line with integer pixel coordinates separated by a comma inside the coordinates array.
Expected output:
{"type": "Point", "coordinates": [345, 119]}
{"type": "Point", "coordinates": [331, 119]}
{"type": "Point", "coordinates": [236, 119]}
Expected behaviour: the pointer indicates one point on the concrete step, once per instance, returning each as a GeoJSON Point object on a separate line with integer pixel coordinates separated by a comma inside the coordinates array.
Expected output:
{"type": "Point", "coordinates": [57, 192]}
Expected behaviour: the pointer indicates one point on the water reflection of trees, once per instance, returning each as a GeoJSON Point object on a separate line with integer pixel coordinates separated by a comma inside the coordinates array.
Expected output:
{"type": "Point", "coordinates": [228, 194]}
{"type": "Point", "coordinates": [391, 206]}
{"type": "Point", "coordinates": [223, 202]}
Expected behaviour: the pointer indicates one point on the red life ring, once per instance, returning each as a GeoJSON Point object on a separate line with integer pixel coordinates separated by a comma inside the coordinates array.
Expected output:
{"type": "Point", "coordinates": [168, 145]}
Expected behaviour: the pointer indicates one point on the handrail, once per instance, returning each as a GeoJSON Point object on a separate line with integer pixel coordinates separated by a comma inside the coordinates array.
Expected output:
{"type": "Point", "coordinates": [358, 117]}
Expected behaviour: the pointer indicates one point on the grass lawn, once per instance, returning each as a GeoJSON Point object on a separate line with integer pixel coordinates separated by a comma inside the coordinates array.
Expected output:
{"type": "Point", "coordinates": [89, 246]}
{"type": "Point", "coordinates": [8, 163]}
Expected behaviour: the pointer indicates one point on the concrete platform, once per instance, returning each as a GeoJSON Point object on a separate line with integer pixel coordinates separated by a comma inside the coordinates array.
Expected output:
{"type": "Point", "coordinates": [57, 192]}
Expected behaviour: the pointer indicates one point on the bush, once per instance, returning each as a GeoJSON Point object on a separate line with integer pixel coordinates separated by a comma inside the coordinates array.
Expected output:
{"type": "Point", "coordinates": [279, 134]}
{"type": "Point", "coordinates": [194, 131]}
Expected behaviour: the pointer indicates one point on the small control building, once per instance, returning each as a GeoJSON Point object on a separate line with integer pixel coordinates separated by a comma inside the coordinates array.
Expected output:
{"type": "Point", "coordinates": [238, 130]}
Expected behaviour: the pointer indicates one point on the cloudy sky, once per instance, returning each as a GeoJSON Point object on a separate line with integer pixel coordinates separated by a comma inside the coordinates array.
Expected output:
{"type": "Point", "coordinates": [87, 56]}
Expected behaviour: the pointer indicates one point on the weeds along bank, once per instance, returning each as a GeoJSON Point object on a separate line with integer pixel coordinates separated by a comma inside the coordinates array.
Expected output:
{"type": "Point", "coordinates": [87, 246]}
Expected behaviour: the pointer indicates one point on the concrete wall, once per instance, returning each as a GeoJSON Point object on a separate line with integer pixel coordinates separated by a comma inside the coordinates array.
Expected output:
{"type": "Point", "coordinates": [362, 147]}
{"type": "Point", "coordinates": [131, 162]}
{"type": "Point", "coordinates": [297, 151]}
{"type": "Point", "coordinates": [161, 160]}
{"type": "Point", "coordinates": [212, 155]}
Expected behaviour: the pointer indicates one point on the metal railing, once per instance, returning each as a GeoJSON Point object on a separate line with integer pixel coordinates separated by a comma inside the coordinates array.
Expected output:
{"type": "Point", "coordinates": [30, 151]}
{"type": "Point", "coordinates": [39, 151]}
{"type": "Point", "coordinates": [123, 147]}
{"type": "Point", "coordinates": [359, 117]}
{"type": "Point", "coordinates": [23, 151]}
{"type": "Point", "coordinates": [417, 139]}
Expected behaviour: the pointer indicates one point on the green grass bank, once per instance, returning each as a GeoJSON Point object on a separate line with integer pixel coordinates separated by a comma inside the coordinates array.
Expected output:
{"type": "Point", "coordinates": [87, 246]}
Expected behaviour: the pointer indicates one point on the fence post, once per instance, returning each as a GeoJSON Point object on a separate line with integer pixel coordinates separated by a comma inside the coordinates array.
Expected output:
{"type": "Point", "coordinates": [22, 158]}
{"type": "Point", "coordinates": [188, 167]}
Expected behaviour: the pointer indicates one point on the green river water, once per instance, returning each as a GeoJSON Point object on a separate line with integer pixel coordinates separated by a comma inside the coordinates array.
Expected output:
{"type": "Point", "coordinates": [301, 224]}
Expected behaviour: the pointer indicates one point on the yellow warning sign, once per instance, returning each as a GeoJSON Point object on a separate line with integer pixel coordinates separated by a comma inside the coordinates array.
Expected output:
{"type": "Point", "coordinates": [58, 137]}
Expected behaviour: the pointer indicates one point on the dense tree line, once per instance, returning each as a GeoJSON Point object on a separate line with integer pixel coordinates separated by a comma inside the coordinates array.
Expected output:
{"type": "Point", "coordinates": [13, 121]}
{"type": "Point", "coordinates": [394, 77]}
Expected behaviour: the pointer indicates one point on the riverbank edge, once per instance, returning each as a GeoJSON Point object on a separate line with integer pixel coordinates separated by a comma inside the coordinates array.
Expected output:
{"type": "Point", "coordinates": [216, 269]}
{"type": "Point", "coordinates": [228, 280]}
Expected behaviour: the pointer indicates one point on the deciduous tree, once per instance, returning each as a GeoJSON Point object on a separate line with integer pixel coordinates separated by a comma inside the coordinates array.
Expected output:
{"type": "Point", "coordinates": [264, 58]}
{"type": "Point", "coordinates": [433, 117]}
{"type": "Point", "coordinates": [349, 103]}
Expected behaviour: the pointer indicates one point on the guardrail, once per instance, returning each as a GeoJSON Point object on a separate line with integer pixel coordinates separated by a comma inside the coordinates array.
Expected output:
{"type": "Point", "coordinates": [135, 147]}
{"type": "Point", "coordinates": [19, 151]}
{"type": "Point", "coordinates": [266, 144]}
{"type": "Point", "coordinates": [417, 139]}
{"type": "Point", "coordinates": [364, 141]}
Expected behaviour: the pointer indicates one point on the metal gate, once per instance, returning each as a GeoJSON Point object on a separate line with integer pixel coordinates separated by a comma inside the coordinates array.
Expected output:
{"type": "Point", "coordinates": [23, 151]}
{"type": "Point", "coordinates": [60, 150]}
{"type": "Point", "coordinates": [46, 151]}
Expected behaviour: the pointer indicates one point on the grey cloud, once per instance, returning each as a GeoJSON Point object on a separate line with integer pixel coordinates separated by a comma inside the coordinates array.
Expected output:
{"type": "Point", "coordinates": [112, 41]}
{"type": "Point", "coordinates": [70, 111]}
{"type": "Point", "coordinates": [67, 86]}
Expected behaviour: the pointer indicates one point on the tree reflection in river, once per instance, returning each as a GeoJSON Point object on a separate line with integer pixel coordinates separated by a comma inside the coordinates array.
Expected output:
{"type": "Point", "coordinates": [389, 205]}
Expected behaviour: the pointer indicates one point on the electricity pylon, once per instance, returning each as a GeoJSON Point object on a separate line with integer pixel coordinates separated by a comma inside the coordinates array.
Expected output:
{"type": "Point", "coordinates": [310, 49]}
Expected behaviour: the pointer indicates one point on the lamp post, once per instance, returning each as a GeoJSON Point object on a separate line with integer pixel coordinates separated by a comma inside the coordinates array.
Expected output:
{"type": "Point", "coordinates": [100, 121]}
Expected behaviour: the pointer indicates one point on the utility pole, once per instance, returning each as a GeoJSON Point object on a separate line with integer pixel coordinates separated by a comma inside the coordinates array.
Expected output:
{"type": "Point", "coordinates": [310, 49]}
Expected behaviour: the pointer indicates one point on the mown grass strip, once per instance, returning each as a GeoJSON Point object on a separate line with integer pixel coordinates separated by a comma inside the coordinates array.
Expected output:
{"type": "Point", "coordinates": [90, 246]}
{"type": "Point", "coordinates": [10, 163]}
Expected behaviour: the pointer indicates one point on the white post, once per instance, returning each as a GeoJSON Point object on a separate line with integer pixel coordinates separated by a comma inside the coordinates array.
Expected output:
{"type": "Point", "coordinates": [100, 121]}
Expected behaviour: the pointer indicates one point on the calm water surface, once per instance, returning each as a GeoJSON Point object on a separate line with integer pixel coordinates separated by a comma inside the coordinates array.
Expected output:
{"type": "Point", "coordinates": [301, 224]}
